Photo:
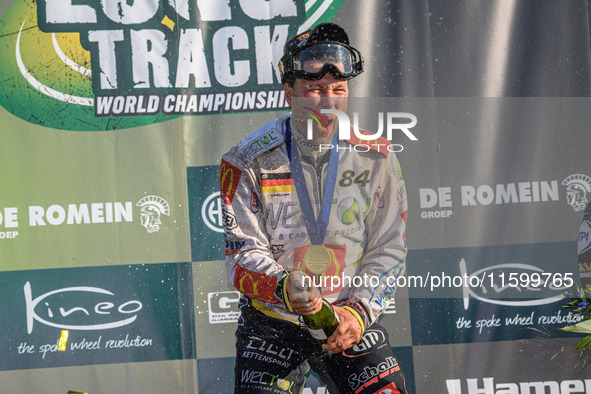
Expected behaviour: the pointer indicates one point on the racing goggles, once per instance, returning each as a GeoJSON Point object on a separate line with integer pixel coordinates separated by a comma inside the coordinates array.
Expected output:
{"type": "Point", "coordinates": [314, 61]}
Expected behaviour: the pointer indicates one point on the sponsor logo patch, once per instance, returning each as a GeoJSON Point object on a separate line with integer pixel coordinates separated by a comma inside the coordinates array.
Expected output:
{"type": "Point", "coordinates": [253, 284]}
{"type": "Point", "coordinates": [229, 178]}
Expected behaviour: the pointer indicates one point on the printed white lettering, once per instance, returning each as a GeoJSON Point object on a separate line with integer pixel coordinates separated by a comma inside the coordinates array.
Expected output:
{"type": "Point", "coordinates": [63, 11]}
{"type": "Point", "coordinates": [523, 192]}
{"type": "Point", "coordinates": [487, 386]}
{"type": "Point", "coordinates": [81, 214]}
{"type": "Point", "coordinates": [106, 40]}
{"type": "Point", "coordinates": [9, 218]}
{"type": "Point", "coordinates": [100, 308]}
{"type": "Point", "coordinates": [148, 47]}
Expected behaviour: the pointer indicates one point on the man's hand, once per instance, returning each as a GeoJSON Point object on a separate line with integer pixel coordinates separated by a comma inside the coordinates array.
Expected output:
{"type": "Point", "coordinates": [347, 334]}
{"type": "Point", "coordinates": [303, 303]}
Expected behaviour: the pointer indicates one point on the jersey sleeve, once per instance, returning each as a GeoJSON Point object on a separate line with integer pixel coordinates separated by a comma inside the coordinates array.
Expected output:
{"type": "Point", "coordinates": [250, 265]}
{"type": "Point", "coordinates": [385, 252]}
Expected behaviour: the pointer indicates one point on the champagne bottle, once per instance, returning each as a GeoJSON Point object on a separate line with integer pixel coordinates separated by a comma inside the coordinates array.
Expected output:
{"type": "Point", "coordinates": [321, 324]}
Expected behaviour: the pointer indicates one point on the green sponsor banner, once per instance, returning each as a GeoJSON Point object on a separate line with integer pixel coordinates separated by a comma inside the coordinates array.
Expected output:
{"type": "Point", "coordinates": [91, 199]}
{"type": "Point", "coordinates": [97, 315]}
{"type": "Point", "coordinates": [115, 65]}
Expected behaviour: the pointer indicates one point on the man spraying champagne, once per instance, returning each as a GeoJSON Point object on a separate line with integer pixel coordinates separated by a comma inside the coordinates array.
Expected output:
{"type": "Point", "coordinates": [342, 214]}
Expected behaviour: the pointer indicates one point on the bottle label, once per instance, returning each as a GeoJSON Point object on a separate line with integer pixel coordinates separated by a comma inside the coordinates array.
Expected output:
{"type": "Point", "coordinates": [318, 334]}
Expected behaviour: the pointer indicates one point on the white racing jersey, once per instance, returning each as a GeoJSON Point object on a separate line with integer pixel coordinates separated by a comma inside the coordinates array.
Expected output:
{"type": "Point", "coordinates": [266, 236]}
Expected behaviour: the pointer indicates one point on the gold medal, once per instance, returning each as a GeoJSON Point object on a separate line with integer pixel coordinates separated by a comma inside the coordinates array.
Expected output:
{"type": "Point", "coordinates": [317, 259]}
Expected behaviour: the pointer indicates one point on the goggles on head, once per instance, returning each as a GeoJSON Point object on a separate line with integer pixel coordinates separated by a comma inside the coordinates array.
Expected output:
{"type": "Point", "coordinates": [314, 61]}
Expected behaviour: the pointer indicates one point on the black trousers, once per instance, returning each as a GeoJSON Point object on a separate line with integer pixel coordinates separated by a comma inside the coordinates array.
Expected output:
{"type": "Point", "coordinates": [273, 356]}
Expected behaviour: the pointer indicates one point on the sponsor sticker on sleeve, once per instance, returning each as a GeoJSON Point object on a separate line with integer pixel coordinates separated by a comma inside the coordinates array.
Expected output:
{"type": "Point", "coordinates": [229, 177]}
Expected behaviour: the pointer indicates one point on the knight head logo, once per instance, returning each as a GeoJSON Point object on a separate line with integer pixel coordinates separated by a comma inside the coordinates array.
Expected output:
{"type": "Point", "coordinates": [152, 208]}
{"type": "Point", "coordinates": [577, 187]}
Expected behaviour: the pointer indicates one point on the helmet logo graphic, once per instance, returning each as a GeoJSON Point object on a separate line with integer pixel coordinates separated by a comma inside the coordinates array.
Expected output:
{"type": "Point", "coordinates": [577, 187]}
{"type": "Point", "coordinates": [152, 208]}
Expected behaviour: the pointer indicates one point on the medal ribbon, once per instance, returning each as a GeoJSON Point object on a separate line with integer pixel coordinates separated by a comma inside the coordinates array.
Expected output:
{"type": "Point", "coordinates": [316, 228]}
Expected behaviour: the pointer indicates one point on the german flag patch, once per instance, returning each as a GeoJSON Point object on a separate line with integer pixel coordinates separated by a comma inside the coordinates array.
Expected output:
{"type": "Point", "coordinates": [276, 182]}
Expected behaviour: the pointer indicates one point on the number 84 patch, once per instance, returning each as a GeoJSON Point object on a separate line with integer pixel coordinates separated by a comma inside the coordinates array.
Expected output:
{"type": "Point", "coordinates": [350, 178]}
